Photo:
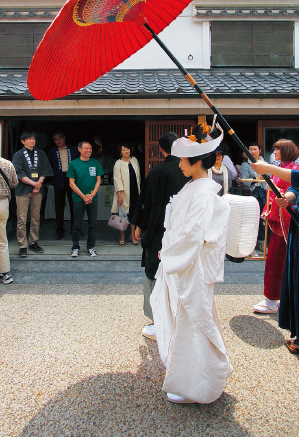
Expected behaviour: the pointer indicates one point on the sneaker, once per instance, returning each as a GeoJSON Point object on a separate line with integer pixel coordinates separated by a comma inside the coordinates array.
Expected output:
{"type": "Point", "coordinates": [149, 331]}
{"type": "Point", "coordinates": [267, 306]}
{"type": "Point", "coordinates": [36, 248]}
{"type": "Point", "coordinates": [75, 253]}
{"type": "Point", "coordinates": [92, 252]}
{"type": "Point", "coordinates": [22, 252]}
{"type": "Point", "coordinates": [254, 254]}
{"type": "Point", "coordinates": [6, 278]}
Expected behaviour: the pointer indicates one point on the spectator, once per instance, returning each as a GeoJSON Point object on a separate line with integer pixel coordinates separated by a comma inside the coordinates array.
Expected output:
{"type": "Point", "coordinates": [258, 190]}
{"type": "Point", "coordinates": [247, 171]}
{"type": "Point", "coordinates": [238, 181]}
{"type": "Point", "coordinates": [289, 299]}
{"type": "Point", "coordinates": [84, 174]}
{"type": "Point", "coordinates": [279, 221]}
{"type": "Point", "coordinates": [60, 156]}
{"type": "Point", "coordinates": [8, 180]}
{"type": "Point", "coordinates": [32, 167]}
{"type": "Point", "coordinates": [99, 152]}
{"type": "Point", "coordinates": [126, 175]}
{"type": "Point", "coordinates": [289, 302]}
{"type": "Point", "coordinates": [220, 173]}
{"type": "Point", "coordinates": [227, 161]}
{"type": "Point", "coordinates": [162, 182]}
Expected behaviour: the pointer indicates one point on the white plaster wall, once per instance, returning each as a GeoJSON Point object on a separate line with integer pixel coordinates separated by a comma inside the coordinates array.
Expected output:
{"type": "Point", "coordinates": [183, 37]}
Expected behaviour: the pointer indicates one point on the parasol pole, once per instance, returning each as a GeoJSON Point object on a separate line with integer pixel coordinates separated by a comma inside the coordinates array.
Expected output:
{"type": "Point", "coordinates": [211, 105]}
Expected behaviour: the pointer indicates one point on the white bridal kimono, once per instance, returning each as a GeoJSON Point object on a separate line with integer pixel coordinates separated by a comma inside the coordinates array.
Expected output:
{"type": "Point", "coordinates": [192, 260]}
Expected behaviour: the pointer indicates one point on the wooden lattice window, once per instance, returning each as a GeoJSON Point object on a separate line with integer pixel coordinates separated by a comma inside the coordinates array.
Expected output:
{"type": "Point", "coordinates": [252, 44]}
{"type": "Point", "coordinates": [18, 42]}
{"type": "Point", "coordinates": [154, 130]}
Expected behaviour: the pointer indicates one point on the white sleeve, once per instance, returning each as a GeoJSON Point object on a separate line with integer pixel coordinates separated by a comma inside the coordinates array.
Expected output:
{"type": "Point", "coordinates": [229, 164]}
{"type": "Point", "coordinates": [186, 248]}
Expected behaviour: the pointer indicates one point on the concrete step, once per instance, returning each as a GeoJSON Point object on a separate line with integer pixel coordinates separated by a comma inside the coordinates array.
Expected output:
{"type": "Point", "coordinates": [61, 250]}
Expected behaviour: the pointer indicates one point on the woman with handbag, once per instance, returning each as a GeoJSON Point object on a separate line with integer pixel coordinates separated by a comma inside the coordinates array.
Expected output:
{"type": "Point", "coordinates": [126, 176]}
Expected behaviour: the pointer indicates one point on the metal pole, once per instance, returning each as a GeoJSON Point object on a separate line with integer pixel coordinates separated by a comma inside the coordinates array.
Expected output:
{"type": "Point", "coordinates": [220, 118]}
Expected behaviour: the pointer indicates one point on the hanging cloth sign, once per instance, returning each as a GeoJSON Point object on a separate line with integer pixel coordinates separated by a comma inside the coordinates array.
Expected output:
{"type": "Point", "coordinates": [35, 163]}
{"type": "Point", "coordinates": [35, 159]}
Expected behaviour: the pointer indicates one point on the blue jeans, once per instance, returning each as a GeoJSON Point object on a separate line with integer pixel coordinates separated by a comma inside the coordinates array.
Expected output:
{"type": "Point", "coordinates": [79, 210]}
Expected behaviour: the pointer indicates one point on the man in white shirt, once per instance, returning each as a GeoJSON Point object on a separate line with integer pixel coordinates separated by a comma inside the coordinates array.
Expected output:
{"type": "Point", "coordinates": [60, 156]}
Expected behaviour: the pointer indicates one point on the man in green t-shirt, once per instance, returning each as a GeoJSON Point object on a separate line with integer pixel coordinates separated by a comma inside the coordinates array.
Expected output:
{"type": "Point", "coordinates": [84, 174]}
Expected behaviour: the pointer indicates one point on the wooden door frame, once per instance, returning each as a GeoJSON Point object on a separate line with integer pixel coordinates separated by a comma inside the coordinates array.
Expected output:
{"type": "Point", "coordinates": [262, 124]}
{"type": "Point", "coordinates": [159, 123]}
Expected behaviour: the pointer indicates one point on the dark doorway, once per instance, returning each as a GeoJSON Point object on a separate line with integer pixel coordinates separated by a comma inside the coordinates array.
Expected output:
{"type": "Point", "coordinates": [76, 129]}
{"type": "Point", "coordinates": [112, 131]}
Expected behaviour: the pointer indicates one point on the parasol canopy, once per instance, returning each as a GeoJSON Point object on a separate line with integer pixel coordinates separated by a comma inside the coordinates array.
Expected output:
{"type": "Point", "coordinates": [88, 38]}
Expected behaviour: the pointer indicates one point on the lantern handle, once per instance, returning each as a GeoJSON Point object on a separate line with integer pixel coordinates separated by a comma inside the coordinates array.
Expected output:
{"type": "Point", "coordinates": [215, 110]}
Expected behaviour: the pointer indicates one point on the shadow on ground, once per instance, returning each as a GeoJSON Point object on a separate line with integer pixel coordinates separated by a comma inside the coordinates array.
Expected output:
{"type": "Point", "coordinates": [116, 404]}
{"type": "Point", "coordinates": [257, 332]}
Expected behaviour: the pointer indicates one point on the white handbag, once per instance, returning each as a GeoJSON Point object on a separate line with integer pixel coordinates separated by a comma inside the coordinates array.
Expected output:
{"type": "Point", "coordinates": [120, 221]}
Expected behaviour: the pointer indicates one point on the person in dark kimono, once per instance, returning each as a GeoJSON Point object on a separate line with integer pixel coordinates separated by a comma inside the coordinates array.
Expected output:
{"type": "Point", "coordinates": [32, 167]}
{"type": "Point", "coordinates": [162, 182]}
{"type": "Point", "coordinates": [60, 156]}
{"type": "Point", "coordinates": [289, 296]}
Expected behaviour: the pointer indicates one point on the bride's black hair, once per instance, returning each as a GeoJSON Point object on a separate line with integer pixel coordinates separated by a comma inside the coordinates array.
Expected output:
{"type": "Point", "coordinates": [208, 160]}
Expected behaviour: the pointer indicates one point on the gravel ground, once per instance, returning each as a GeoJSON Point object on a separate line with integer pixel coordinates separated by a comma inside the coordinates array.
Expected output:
{"type": "Point", "coordinates": [74, 363]}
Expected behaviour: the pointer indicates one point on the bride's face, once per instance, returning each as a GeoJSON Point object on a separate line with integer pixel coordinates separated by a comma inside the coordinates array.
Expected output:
{"type": "Point", "coordinates": [186, 167]}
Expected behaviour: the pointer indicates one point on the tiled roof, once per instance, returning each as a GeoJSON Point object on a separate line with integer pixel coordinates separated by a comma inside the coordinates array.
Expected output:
{"type": "Point", "coordinates": [166, 83]}
{"type": "Point", "coordinates": [25, 13]}
{"type": "Point", "coordinates": [235, 12]}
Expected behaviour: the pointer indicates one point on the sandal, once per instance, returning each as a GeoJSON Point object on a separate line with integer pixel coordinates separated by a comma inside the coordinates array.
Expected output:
{"type": "Point", "coordinates": [134, 242]}
{"type": "Point", "coordinates": [290, 345]}
{"type": "Point", "coordinates": [121, 242]}
{"type": "Point", "coordinates": [263, 308]}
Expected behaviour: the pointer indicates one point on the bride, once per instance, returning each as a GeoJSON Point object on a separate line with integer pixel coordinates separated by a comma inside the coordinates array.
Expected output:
{"type": "Point", "coordinates": [189, 338]}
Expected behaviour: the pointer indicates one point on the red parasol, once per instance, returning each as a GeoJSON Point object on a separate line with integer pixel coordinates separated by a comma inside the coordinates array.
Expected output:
{"type": "Point", "coordinates": [88, 38]}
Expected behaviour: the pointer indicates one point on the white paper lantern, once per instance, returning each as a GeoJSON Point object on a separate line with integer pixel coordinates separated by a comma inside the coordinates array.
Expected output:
{"type": "Point", "coordinates": [243, 225]}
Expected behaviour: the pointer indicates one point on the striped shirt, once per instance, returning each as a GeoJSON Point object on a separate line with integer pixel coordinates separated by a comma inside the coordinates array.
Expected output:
{"type": "Point", "coordinates": [10, 172]}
